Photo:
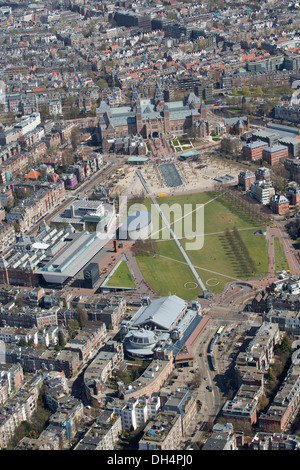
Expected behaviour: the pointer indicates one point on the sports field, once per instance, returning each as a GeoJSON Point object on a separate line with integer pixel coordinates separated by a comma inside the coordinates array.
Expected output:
{"type": "Point", "coordinates": [231, 250]}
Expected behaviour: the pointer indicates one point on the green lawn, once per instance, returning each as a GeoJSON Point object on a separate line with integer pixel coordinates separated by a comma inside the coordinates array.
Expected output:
{"type": "Point", "coordinates": [167, 273]}
{"type": "Point", "coordinates": [281, 262]}
{"type": "Point", "coordinates": [121, 277]}
{"type": "Point", "coordinates": [220, 265]}
{"type": "Point", "coordinates": [181, 144]}
{"type": "Point", "coordinates": [219, 214]}
{"type": "Point", "coordinates": [217, 255]}
{"type": "Point", "coordinates": [216, 262]}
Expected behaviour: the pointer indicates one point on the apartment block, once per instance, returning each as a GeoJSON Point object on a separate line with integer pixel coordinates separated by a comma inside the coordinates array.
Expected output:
{"type": "Point", "coordinates": [254, 150]}
{"type": "Point", "coordinates": [135, 412]}
{"type": "Point", "coordinates": [250, 366]}
{"type": "Point", "coordinates": [222, 438]}
{"type": "Point", "coordinates": [7, 236]}
{"type": "Point", "coordinates": [262, 191]}
{"type": "Point", "coordinates": [103, 434]}
{"type": "Point", "coordinates": [18, 409]}
{"type": "Point", "coordinates": [32, 209]}
{"type": "Point", "coordinates": [11, 379]}
{"type": "Point", "coordinates": [275, 154]}
{"type": "Point", "coordinates": [68, 415]}
{"type": "Point", "coordinates": [183, 403]}
{"type": "Point", "coordinates": [163, 433]}
{"type": "Point", "coordinates": [243, 407]}
{"type": "Point", "coordinates": [285, 405]}
{"type": "Point", "coordinates": [287, 320]}
{"type": "Point", "coordinates": [88, 341]}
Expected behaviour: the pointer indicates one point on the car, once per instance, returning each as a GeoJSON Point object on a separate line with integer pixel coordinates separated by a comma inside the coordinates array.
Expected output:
{"type": "Point", "coordinates": [200, 355]}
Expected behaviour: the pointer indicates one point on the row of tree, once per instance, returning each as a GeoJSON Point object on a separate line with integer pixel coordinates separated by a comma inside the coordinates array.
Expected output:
{"type": "Point", "coordinates": [241, 251]}
{"type": "Point", "coordinates": [246, 204]}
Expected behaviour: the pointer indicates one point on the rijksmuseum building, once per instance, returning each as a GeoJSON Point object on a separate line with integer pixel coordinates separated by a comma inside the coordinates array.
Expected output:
{"type": "Point", "coordinates": [151, 118]}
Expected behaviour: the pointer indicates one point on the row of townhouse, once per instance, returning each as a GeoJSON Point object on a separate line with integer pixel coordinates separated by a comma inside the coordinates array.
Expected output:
{"type": "Point", "coordinates": [270, 441]}
{"type": "Point", "coordinates": [7, 236]}
{"type": "Point", "coordinates": [285, 405]}
{"type": "Point", "coordinates": [76, 352]}
{"type": "Point", "coordinates": [99, 309]}
{"type": "Point", "coordinates": [15, 335]}
{"type": "Point", "coordinates": [62, 427]}
{"type": "Point", "coordinates": [43, 336]}
{"type": "Point", "coordinates": [38, 359]}
{"type": "Point", "coordinates": [11, 379]}
{"type": "Point", "coordinates": [18, 409]}
{"type": "Point", "coordinates": [18, 163]}
{"type": "Point", "coordinates": [88, 341]}
{"type": "Point", "coordinates": [8, 150]}
{"type": "Point", "coordinates": [250, 368]}
{"type": "Point", "coordinates": [32, 209]}
{"type": "Point", "coordinates": [28, 317]}
{"type": "Point", "coordinates": [103, 434]}
{"type": "Point", "coordinates": [109, 311]}
{"type": "Point", "coordinates": [26, 125]}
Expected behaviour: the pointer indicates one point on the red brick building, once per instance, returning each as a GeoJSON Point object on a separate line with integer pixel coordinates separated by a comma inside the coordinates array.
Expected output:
{"type": "Point", "coordinates": [279, 204]}
{"type": "Point", "coordinates": [294, 195]}
{"type": "Point", "coordinates": [245, 179]}
{"type": "Point", "coordinates": [237, 126]}
{"type": "Point", "coordinates": [275, 154]}
{"type": "Point", "coordinates": [253, 150]}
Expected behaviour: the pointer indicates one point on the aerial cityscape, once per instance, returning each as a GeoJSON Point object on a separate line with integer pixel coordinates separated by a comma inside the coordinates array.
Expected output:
{"type": "Point", "coordinates": [150, 227]}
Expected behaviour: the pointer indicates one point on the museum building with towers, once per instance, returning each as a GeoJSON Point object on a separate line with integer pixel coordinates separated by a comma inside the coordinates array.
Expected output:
{"type": "Point", "coordinates": [150, 118]}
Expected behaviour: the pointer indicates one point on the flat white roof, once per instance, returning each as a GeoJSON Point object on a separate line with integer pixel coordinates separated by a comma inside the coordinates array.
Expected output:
{"type": "Point", "coordinates": [162, 312]}
{"type": "Point", "coordinates": [73, 258]}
